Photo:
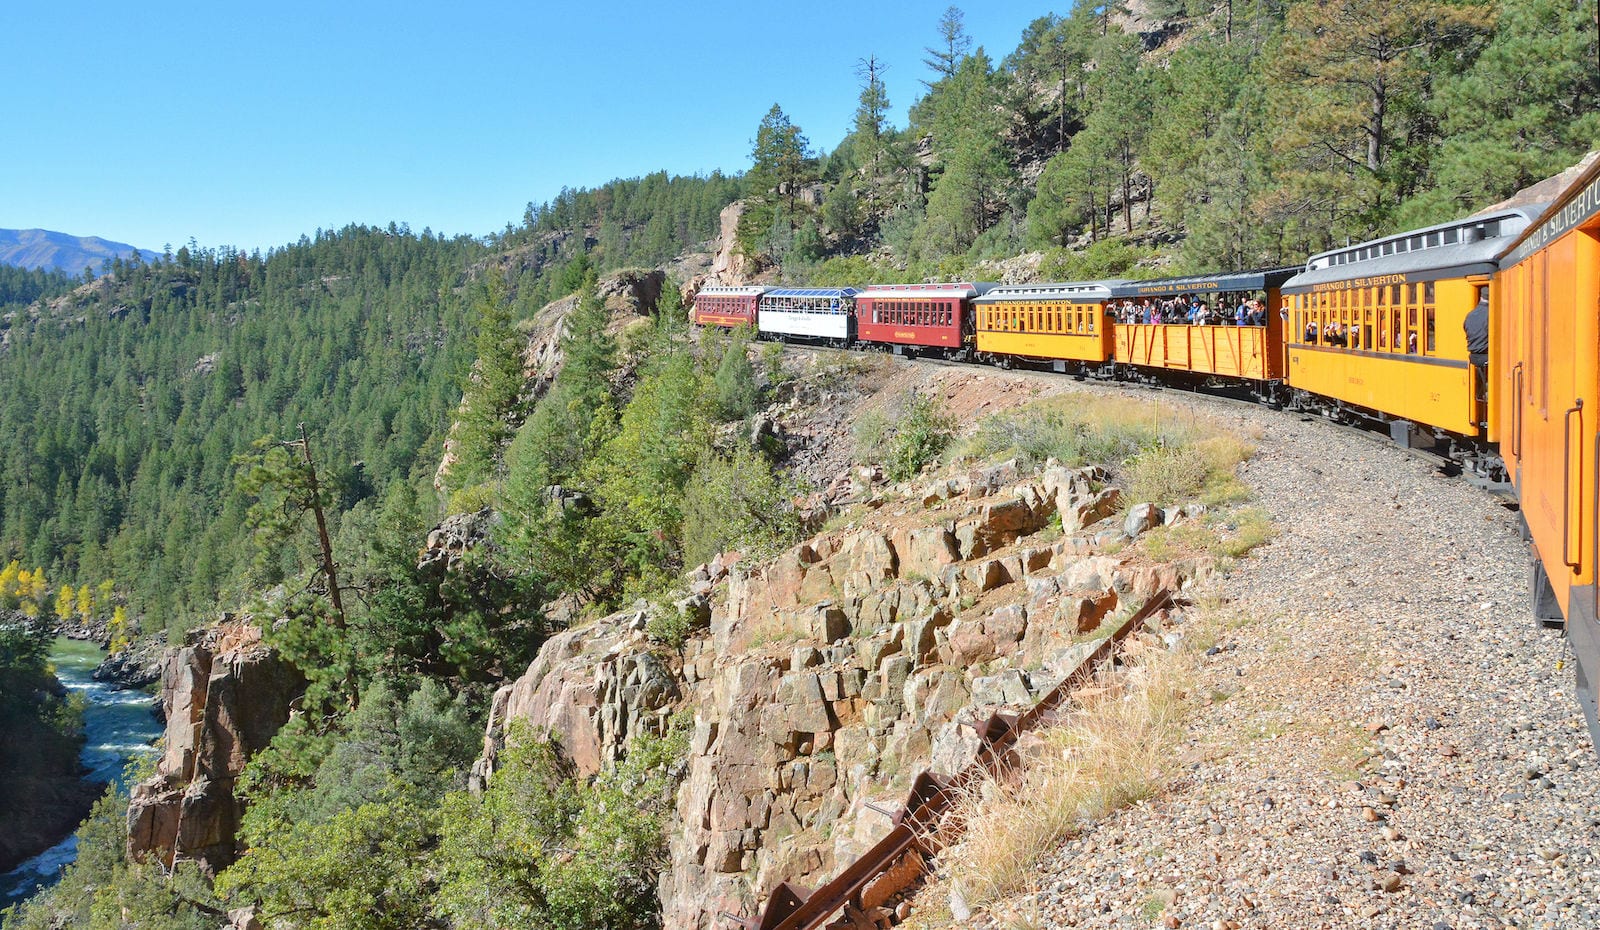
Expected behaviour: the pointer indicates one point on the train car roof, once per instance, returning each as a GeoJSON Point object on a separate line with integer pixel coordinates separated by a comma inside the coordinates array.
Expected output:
{"type": "Point", "coordinates": [811, 292]}
{"type": "Point", "coordinates": [1091, 290]}
{"type": "Point", "coordinates": [1463, 247]}
{"type": "Point", "coordinates": [749, 290]}
{"type": "Point", "coordinates": [1572, 207]}
{"type": "Point", "coordinates": [1259, 279]}
{"type": "Point", "coordinates": [946, 289]}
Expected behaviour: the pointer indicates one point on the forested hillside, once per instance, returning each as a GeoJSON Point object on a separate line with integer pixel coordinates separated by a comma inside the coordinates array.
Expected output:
{"type": "Point", "coordinates": [129, 399]}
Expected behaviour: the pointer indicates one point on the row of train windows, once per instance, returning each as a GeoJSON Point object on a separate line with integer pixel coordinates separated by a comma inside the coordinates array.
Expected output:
{"type": "Point", "coordinates": [803, 305]}
{"type": "Point", "coordinates": [1033, 318]}
{"type": "Point", "coordinates": [1365, 296]}
{"type": "Point", "coordinates": [913, 313]}
{"type": "Point", "coordinates": [1410, 330]}
{"type": "Point", "coordinates": [738, 305]}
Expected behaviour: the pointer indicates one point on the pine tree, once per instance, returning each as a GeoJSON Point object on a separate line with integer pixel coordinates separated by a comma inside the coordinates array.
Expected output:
{"type": "Point", "coordinates": [1528, 107]}
{"type": "Point", "coordinates": [1355, 77]}
{"type": "Point", "coordinates": [872, 110]}
{"type": "Point", "coordinates": [945, 57]}
{"type": "Point", "coordinates": [492, 392]}
{"type": "Point", "coordinates": [779, 170]}
{"type": "Point", "coordinates": [969, 129]}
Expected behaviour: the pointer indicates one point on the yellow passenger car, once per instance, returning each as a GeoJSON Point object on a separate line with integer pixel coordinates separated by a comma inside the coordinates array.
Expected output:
{"type": "Point", "coordinates": [1544, 353]}
{"type": "Point", "coordinates": [1064, 324]}
{"type": "Point", "coordinates": [1376, 329]}
{"type": "Point", "coordinates": [1240, 338]}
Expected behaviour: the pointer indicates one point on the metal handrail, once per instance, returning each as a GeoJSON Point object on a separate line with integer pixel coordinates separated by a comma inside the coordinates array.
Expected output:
{"type": "Point", "coordinates": [1566, 488]}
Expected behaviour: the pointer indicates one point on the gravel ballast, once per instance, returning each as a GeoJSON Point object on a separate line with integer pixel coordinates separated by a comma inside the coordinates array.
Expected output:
{"type": "Point", "coordinates": [1383, 736]}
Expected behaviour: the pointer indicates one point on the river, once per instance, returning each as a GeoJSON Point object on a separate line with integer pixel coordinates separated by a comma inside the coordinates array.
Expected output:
{"type": "Point", "coordinates": [118, 727]}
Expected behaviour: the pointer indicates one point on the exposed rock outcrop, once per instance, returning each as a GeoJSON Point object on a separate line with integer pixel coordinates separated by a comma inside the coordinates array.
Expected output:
{"type": "Point", "coordinates": [831, 675]}
{"type": "Point", "coordinates": [225, 697]}
{"type": "Point", "coordinates": [730, 267]}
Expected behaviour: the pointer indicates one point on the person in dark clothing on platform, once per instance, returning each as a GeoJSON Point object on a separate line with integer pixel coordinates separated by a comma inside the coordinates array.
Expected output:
{"type": "Point", "coordinates": [1476, 326]}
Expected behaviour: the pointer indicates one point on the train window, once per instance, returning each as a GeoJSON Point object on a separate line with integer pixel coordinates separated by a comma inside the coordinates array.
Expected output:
{"type": "Point", "coordinates": [1427, 292]}
{"type": "Point", "coordinates": [1411, 330]}
{"type": "Point", "coordinates": [1411, 293]}
{"type": "Point", "coordinates": [1366, 330]}
{"type": "Point", "coordinates": [1451, 236]}
{"type": "Point", "coordinates": [1431, 344]}
{"type": "Point", "coordinates": [1394, 294]}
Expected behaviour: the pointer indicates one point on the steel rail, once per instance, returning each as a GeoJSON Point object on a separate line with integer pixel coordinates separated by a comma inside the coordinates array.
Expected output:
{"type": "Point", "coordinates": [917, 829]}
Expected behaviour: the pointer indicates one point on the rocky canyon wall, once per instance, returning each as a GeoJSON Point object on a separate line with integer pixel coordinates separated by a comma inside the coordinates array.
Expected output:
{"type": "Point", "coordinates": [825, 679]}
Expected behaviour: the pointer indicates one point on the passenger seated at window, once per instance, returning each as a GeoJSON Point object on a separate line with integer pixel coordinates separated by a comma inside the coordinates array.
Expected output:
{"type": "Point", "coordinates": [1311, 331]}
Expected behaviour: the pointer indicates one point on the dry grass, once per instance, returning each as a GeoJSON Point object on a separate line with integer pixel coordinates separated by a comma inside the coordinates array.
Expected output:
{"type": "Point", "coordinates": [1074, 431]}
{"type": "Point", "coordinates": [1116, 751]}
{"type": "Point", "coordinates": [1228, 535]}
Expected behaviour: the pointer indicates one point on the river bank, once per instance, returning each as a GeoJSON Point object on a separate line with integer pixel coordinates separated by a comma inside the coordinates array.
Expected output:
{"type": "Point", "coordinates": [118, 727]}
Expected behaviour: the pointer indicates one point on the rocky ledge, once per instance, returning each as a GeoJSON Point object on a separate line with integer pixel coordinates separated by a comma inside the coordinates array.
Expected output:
{"type": "Point", "coordinates": [823, 680]}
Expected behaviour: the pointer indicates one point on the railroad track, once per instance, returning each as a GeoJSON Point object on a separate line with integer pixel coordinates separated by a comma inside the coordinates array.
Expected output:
{"type": "Point", "coordinates": [900, 860]}
{"type": "Point", "coordinates": [1369, 431]}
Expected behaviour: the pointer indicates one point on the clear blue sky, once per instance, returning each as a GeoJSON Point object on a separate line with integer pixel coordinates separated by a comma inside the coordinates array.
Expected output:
{"type": "Point", "coordinates": [250, 124]}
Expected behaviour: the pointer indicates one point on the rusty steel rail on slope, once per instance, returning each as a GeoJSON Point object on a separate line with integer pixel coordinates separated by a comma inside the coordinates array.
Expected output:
{"type": "Point", "coordinates": [791, 907]}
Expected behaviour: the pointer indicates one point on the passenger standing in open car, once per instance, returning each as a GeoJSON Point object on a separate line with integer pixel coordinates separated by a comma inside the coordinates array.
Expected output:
{"type": "Point", "coordinates": [1476, 326]}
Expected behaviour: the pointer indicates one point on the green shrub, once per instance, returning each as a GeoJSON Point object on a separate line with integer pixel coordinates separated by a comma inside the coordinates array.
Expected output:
{"type": "Point", "coordinates": [735, 502]}
{"type": "Point", "coordinates": [734, 385]}
{"type": "Point", "coordinates": [871, 432]}
{"type": "Point", "coordinates": [1108, 258]}
{"type": "Point", "coordinates": [921, 433]}
{"type": "Point", "coordinates": [540, 848]}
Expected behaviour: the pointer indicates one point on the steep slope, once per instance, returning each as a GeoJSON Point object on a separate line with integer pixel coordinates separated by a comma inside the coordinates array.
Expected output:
{"type": "Point", "coordinates": [823, 680]}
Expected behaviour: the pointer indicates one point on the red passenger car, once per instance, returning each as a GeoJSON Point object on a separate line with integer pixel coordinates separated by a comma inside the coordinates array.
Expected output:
{"type": "Point", "coordinates": [727, 306]}
{"type": "Point", "coordinates": [933, 315]}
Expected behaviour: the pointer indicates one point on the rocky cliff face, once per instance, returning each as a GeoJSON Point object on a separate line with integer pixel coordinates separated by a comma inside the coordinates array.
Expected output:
{"type": "Point", "coordinates": [225, 697]}
{"type": "Point", "coordinates": [826, 679]}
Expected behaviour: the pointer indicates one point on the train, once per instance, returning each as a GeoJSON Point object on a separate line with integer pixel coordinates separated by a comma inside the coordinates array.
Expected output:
{"type": "Point", "coordinates": [1477, 340]}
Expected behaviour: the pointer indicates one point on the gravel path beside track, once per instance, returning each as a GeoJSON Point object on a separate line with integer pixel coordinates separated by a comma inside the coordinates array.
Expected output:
{"type": "Point", "coordinates": [1388, 740]}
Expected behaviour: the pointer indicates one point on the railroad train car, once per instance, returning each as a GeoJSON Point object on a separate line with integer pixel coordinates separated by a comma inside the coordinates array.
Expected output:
{"type": "Point", "coordinates": [1250, 354]}
{"type": "Point", "coordinates": [1062, 324]}
{"type": "Point", "coordinates": [1544, 367]}
{"type": "Point", "coordinates": [1376, 329]}
{"type": "Point", "coordinates": [812, 314]}
{"type": "Point", "coordinates": [728, 307]}
{"type": "Point", "coordinates": [912, 319]}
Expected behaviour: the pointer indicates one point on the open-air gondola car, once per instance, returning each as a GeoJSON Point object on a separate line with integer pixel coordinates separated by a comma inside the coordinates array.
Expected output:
{"type": "Point", "coordinates": [817, 314]}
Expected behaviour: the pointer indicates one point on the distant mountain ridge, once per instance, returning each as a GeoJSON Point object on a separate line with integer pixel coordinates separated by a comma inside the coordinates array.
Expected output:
{"type": "Point", "coordinates": [43, 248]}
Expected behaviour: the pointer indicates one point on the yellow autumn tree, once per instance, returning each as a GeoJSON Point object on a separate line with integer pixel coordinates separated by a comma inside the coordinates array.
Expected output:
{"type": "Point", "coordinates": [118, 629]}
{"type": "Point", "coordinates": [66, 598]}
{"type": "Point", "coordinates": [10, 585]}
{"type": "Point", "coordinates": [85, 604]}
